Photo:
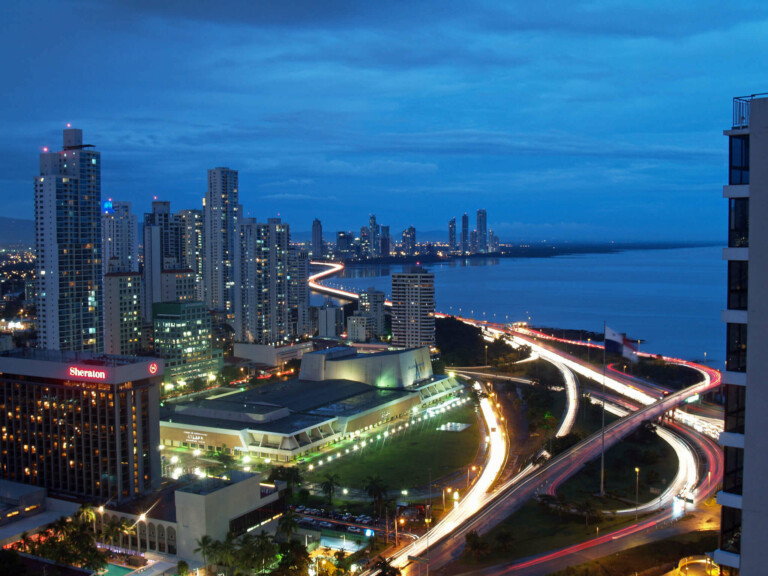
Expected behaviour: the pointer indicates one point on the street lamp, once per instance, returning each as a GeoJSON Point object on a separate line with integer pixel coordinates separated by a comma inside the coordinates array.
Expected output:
{"type": "Point", "coordinates": [473, 468]}
{"type": "Point", "coordinates": [637, 490]}
{"type": "Point", "coordinates": [486, 354]}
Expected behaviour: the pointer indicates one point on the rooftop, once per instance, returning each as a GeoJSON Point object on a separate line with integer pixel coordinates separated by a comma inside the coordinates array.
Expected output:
{"type": "Point", "coordinates": [62, 356]}
{"type": "Point", "coordinates": [741, 109]}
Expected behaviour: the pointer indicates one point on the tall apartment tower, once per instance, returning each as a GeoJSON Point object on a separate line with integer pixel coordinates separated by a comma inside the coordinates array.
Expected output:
{"type": "Point", "coordinates": [482, 231]}
{"type": "Point", "coordinates": [162, 251]}
{"type": "Point", "coordinates": [122, 313]}
{"type": "Point", "coordinates": [409, 241]}
{"type": "Point", "coordinates": [261, 299]}
{"type": "Point", "coordinates": [452, 235]}
{"type": "Point", "coordinates": [317, 239]}
{"type": "Point", "coordinates": [743, 538]}
{"type": "Point", "coordinates": [374, 231]}
{"type": "Point", "coordinates": [372, 304]}
{"type": "Point", "coordinates": [68, 244]}
{"type": "Point", "coordinates": [465, 234]}
{"type": "Point", "coordinates": [385, 242]}
{"type": "Point", "coordinates": [220, 218]}
{"type": "Point", "coordinates": [298, 291]}
{"type": "Point", "coordinates": [413, 308]}
{"type": "Point", "coordinates": [119, 237]}
{"type": "Point", "coordinates": [191, 228]}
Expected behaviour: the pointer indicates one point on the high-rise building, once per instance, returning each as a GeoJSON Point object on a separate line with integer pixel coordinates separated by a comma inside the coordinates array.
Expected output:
{"type": "Point", "coordinates": [343, 245]}
{"type": "Point", "coordinates": [122, 313]}
{"type": "Point", "coordinates": [373, 228]}
{"type": "Point", "coordinates": [68, 245]}
{"type": "Point", "coordinates": [493, 242]}
{"type": "Point", "coordinates": [262, 313]}
{"type": "Point", "coordinates": [317, 239]}
{"type": "Point", "coordinates": [298, 292]}
{"type": "Point", "coordinates": [162, 251]}
{"type": "Point", "coordinates": [385, 242]}
{"type": "Point", "coordinates": [191, 227]}
{"type": "Point", "coordinates": [221, 212]}
{"type": "Point", "coordinates": [330, 321]}
{"type": "Point", "coordinates": [372, 303]}
{"type": "Point", "coordinates": [79, 424]}
{"type": "Point", "coordinates": [743, 537]}
{"type": "Point", "coordinates": [184, 340]}
{"type": "Point", "coordinates": [474, 247]}
{"type": "Point", "coordinates": [365, 242]}
{"type": "Point", "coordinates": [452, 235]}
{"type": "Point", "coordinates": [482, 231]}
{"type": "Point", "coordinates": [465, 234]}
{"type": "Point", "coordinates": [119, 237]}
{"type": "Point", "coordinates": [409, 241]}
{"type": "Point", "coordinates": [413, 308]}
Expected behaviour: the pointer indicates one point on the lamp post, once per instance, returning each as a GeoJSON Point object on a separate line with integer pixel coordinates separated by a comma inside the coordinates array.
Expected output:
{"type": "Point", "coordinates": [486, 354]}
{"type": "Point", "coordinates": [473, 468]}
{"type": "Point", "coordinates": [589, 346]}
{"type": "Point", "coordinates": [142, 518]}
{"type": "Point", "coordinates": [637, 490]}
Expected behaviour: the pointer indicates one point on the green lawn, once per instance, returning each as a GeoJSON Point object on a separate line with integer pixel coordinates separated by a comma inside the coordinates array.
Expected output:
{"type": "Point", "coordinates": [403, 460]}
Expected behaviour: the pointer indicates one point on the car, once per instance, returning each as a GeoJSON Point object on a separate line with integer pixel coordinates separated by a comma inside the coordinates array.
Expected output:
{"type": "Point", "coordinates": [300, 508]}
{"type": "Point", "coordinates": [355, 530]}
{"type": "Point", "coordinates": [326, 524]}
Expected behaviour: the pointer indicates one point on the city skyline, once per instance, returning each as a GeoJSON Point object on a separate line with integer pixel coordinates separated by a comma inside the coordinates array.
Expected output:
{"type": "Point", "coordinates": [395, 128]}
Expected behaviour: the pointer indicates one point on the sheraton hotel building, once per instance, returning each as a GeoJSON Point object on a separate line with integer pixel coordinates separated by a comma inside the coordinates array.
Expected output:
{"type": "Point", "coordinates": [79, 424]}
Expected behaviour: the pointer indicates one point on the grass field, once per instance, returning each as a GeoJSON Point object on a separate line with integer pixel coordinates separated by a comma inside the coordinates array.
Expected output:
{"type": "Point", "coordinates": [403, 461]}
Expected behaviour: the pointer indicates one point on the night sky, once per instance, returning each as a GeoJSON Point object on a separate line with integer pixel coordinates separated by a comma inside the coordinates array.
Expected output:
{"type": "Point", "coordinates": [565, 120]}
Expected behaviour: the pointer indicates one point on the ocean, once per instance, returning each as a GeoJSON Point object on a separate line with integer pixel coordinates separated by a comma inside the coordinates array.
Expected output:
{"type": "Point", "coordinates": [669, 298]}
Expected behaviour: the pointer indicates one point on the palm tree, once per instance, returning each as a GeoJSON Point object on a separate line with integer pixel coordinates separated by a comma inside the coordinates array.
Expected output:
{"type": "Point", "coordinates": [292, 477]}
{"type": "Point", "coordinates": [227, 552]}
{"type": "Point", "coordinates": [329, 486]}
{"type": "Point", "coordinates": [287, 525]}
{"type": "Point", "coordinates": [86, 513]}
{"type": "Point", "coordinates": [264, 549]}
{"type": "Point", "coordinates": [375, 488]}
{"type": "Point", "coordinates": [126, 529]}
{"type": "Point", "coordinates": [205, 547]}
{"type": "Point", "coordinates": [111, 531]}
{"type": "Point", "coordinates": [384, 568]}
{"type": "Point", "coordinates": [587, 508]}
{"type": "Point", "coordinates": [294, 559]}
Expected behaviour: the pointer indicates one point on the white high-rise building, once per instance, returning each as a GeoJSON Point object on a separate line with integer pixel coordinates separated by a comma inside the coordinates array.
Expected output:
{"type": "Point", "coordinates": [122, 313]}
{"type": "Point", "coordinates": [372, 304]}
{"type": "Point", "coordinates": [298, 291]}
{"type": "Point", "coordinates": [68, 243]}
{"type": "Point", "coordinates": [413, 308]}
{"type": "Point", "coordinates": [261, 307]}
{"type": "Point", "coordinates": [162, 251]}
{"type": "Point", "coordinates": [191, 226]}
{"type": "Point", "coordinates": [743, 538]}
{"type": "Point", "coordinates": [119, 237]}
{"type": "Point", "coordinates": [221, 212]}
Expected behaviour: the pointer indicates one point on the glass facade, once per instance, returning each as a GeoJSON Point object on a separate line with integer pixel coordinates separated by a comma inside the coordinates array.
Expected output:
{"type": "Point", "coordinates": [739, 160]}
{"type": "Point", "coordinates": [733, 476]}
{"type": "Point", "coordinates": [738, 223]}
{"type": "Point", "coordinates": [738, 276]}
{"type": "Point", "coordinates": [735, 406]}
{"type": "Point", "coordinates": [736, 348]}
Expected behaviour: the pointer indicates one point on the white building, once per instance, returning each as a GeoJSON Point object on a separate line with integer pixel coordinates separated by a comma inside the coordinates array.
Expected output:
{"type": "Point", "coordinates": [122, 313]}
{"type": "Point", "coordinates": [119, 237]}
{"type": "Point", "coordinates": [330, 321]}
{"type": "Point", "coordinates": [298, 292]}
{"type": "Point", "coordinates": [372, 303]}
{"type": "Point", "coordinates": [262, 282]}
{"type": "Point", "coordinates": [359, 327]}
{"type": "Point", "coordinates": [191, 225]}
{"type": "Point", "coordinates": [221, 212]}
{"type": "Point", "coordinates": [743, 538]}
{"type": "Point", "coordinates": [413, 309]}
{"type": "Point", "coordinates": [68, 245]}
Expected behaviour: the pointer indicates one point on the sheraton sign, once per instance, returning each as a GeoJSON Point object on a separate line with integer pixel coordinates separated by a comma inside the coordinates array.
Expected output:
{"type": "Point", "coordinates": [87, 373]}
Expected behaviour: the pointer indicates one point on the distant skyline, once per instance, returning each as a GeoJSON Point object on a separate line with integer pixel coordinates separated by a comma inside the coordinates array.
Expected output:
{"type": "Point", "coordinates": [564, 120]}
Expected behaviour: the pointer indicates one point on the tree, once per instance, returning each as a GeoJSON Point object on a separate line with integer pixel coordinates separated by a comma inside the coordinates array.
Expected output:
{"type": "Point", "coordinates": [504, 538]}
{"type": "Point", "coordinates": [287, 525]}
{"type": "Point", "coordinates": [476, 546]}
{"type": "Point", "coordinates": [294, 559]}
{"type": "Point", "coordinates": [205, 546]}
{"type": "Point", "coordinates": [587, 508]}
{"type": "Point", "coordinates": [384, 568]}
{"type": "Point", "coordinates": [264, 549]}
{"type": "Point", "coordinates": [329, 486]}
{"type": "Point", "coordinates": [375, 488]}
{"type": "Point", "coordinates": [227, 552]}
{"type": "Point", "coordinates": [182, 568]}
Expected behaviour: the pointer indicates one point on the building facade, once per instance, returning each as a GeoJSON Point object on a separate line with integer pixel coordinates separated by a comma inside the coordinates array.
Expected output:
{"type": "Point", "coordinates": [191, 225]}
{"type": "Point", "coordinates": [465, 234]}
{"type": "Point", "coordinates": [409, 241]}
{"type": "Point", "coordinates": [743, 537]}
{"type": "Point", "coordinates": [221, 212]}
{"type": "Point", "coordinates": [452, 235]}
{"type": "Point", "coordinates": [68, 267]}
{"type": "Point", "coordinates": [122, 313]}
{"type": "Point", "coordinates": [413, 308]}
{"type": "Point", "coordinates": [372, 303]}
{"type": "Point", "coordinates": [183, 339]}
{"type": "Point", "coordinates": [317, 239]}
{"type": "Point", "coordinates": [119, 237]}
{"type": "Point", "coordinates": [80, 425]}
{"type": "Point", "coordinates": [482, 231]}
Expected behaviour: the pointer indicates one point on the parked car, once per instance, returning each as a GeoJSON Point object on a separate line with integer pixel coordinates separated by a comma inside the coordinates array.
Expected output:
{"type": "Point", "coordinates": [354, 530]}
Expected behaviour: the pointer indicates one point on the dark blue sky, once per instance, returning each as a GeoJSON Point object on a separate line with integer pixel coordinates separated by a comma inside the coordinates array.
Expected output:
{"type": "Point", "coordinates": [595, 121]}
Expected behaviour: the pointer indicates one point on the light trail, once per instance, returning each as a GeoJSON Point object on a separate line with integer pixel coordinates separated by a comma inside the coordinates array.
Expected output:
{"type": "Point", "coordinates": [333, 268]}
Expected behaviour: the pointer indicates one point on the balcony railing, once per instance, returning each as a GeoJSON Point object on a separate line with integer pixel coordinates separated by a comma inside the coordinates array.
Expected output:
{"type": "Point", "coordinates": [741, 106]}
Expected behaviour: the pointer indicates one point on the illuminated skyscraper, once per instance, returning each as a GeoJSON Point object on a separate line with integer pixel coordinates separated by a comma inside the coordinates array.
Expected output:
{"type": "Point", "coordinates": [68, 244]}
{"type": "Point", "coordinates": [413, 308]}
{"type": "Point", "coordinates": [465, 234]}
{"type": "Point", "coordinates": [482, 231]}
{"type": "Point", "coordinates": [119, 237]}
{"type": "Point", "coordinates": [452, 235]}
{"type": "Point", "coordinates": [317, 239]}
{"type": "Point", "coordinates": [220, 218]}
